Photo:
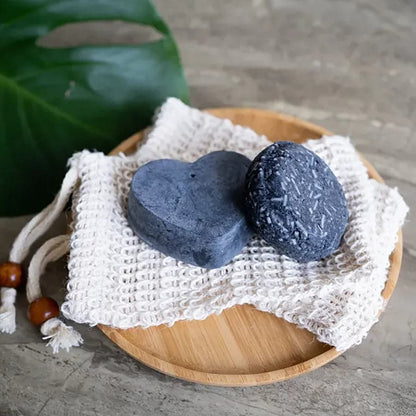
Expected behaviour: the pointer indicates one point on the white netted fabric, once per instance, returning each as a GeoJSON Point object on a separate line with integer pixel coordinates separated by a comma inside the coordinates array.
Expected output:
{"type": "Point", "coordinates": [116, 279]}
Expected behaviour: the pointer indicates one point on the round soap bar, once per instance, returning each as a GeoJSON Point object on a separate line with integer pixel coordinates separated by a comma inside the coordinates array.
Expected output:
{"type": "Point", "coordinates": [295, 202]}
{"type": "Point", "coordinates": [192, 211]}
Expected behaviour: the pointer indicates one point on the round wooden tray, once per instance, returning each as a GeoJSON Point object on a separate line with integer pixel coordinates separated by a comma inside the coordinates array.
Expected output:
{"type": "Point", "coordinates": [241, 346]}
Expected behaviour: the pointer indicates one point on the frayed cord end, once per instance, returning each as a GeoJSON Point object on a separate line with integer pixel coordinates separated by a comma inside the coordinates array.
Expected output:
{"type": "Point", "coordinates": [60, 336]}
{"type": "Point", "coordinates": [8, 310]}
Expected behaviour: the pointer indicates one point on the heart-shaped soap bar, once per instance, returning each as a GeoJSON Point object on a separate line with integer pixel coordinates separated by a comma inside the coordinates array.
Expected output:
{"type": "Point", "coordinates": [192, 211]}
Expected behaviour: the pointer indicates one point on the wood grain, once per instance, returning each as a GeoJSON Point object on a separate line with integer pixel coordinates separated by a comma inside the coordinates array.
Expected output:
{"type": "Point", "coordinates": [241, 346]}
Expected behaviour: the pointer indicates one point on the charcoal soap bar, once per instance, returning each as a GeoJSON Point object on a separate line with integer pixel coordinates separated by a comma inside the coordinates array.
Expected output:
{"type": "Point", "coordinates": [192, 211]}
{"type": "Point", "coordinates": [295, 202]}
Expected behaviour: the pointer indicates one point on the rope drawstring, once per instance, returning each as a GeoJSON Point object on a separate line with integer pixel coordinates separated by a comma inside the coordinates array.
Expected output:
{"type": "Point", "coordinates": [59, 334]}
{"type": "Point", "coordinates": [50, 251]}
{"type": "Point", "coordinates": [8, 310]}
{"type": "Point", "coordinates": [11, 271]}
{"type": "Point", "coordinates": [40, 223]}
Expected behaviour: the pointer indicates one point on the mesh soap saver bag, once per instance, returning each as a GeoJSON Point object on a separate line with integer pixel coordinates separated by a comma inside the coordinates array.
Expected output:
{"type": "Point", "coordinates": [118, 280]}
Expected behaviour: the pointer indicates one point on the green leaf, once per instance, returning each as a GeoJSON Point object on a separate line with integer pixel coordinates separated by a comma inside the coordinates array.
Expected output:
{"type": "Point", "coordinates": [57, 101]}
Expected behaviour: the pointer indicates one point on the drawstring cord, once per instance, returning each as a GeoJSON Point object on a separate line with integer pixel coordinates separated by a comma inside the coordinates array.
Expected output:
{"type": "Point", "coordinates": [59, 334]}
{"type": "Point", "coordinates": [40, 223]}
{"type": "Point", "coordinates": [8, 310]}
{"type": "Point", "coordinates": [50, 251]}
{"type": "Point", "coordinates": [41, 312]}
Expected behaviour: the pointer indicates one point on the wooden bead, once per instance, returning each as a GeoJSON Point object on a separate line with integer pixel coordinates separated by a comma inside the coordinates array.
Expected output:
{"type": "Point", "coordinates": [42, 309]}
{"type": "Point", "coordinates": [10, 274]}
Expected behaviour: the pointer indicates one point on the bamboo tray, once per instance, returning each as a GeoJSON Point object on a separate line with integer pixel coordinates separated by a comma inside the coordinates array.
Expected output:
{"type": "Point", "coordinates": [241, 346]}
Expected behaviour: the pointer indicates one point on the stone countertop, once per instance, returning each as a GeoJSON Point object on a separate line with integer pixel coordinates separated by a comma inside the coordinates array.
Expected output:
{"type": "Point", "coordinates": [348, 66]}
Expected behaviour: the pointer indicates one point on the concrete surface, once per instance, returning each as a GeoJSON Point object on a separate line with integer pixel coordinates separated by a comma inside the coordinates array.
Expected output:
{"type": "Point", "coordinates": [347, 65]}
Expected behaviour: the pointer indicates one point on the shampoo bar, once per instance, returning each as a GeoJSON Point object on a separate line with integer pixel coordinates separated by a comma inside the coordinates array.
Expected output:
{"type": "Point", "coordinates": [295, 202]}
{"type": "Point", "coordinates": [192, 211]}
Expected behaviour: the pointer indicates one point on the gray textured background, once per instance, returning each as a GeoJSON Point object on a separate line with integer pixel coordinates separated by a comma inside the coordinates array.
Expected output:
{"type": "Point", "coordinates": [347, 65]}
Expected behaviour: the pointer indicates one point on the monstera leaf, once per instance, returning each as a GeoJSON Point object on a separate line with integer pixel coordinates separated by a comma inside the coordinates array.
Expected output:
{"type": "Point", "coordinates": [57, 101]}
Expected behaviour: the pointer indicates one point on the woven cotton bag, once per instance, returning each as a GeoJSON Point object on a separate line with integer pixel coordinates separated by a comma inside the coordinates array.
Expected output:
{"type": "Point", "coordinates": [116, 279]}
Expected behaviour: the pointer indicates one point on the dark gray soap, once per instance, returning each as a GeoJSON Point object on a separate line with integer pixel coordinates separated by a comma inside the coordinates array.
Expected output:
{"type": "Point", "coordinates": [295, 202]}
{"type": "Point", "coordinates": [192, 211]}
